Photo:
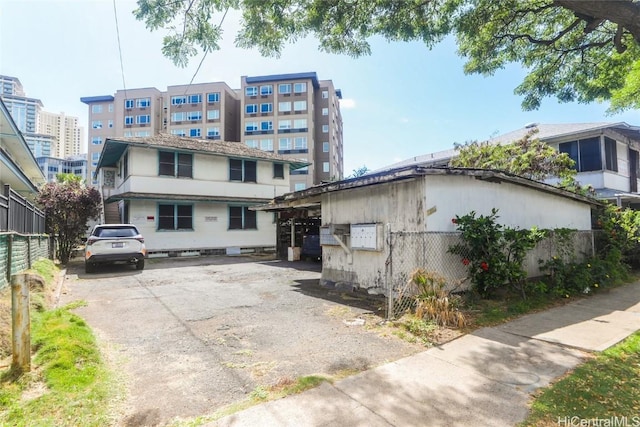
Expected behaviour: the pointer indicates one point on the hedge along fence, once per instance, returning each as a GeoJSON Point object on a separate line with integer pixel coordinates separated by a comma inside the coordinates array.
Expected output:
{"type": "Point", "coordinates": [18, 252]}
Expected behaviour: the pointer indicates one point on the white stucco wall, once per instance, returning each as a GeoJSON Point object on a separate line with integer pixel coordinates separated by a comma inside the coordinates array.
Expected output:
{"type": "Point", "coordinates": [210, 177]}
{"type": "Point", "coordinates": [428, 204]}
{"type": "Point", "coordinates": [210, 229]}
{"type": "Point", "coordinates": [518, 206]}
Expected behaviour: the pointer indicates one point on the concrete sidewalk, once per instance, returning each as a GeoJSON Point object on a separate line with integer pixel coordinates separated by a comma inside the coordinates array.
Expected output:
{"type": "Point", "coordinates": [484, 378]}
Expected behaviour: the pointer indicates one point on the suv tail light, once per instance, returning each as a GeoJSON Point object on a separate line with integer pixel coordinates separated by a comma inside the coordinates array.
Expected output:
{"type": "Point", "coordinates": [91, 240]}
{"type": "Point", "coordinates": [139, 238]}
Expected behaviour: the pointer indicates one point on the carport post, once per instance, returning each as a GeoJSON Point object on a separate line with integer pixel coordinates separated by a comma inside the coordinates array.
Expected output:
{"type": "Point", "coordinates": [293, 232]}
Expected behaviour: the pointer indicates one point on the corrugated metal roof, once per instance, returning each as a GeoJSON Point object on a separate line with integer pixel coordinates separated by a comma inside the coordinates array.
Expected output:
{"type": "Point", "coordinates": [297, 198]}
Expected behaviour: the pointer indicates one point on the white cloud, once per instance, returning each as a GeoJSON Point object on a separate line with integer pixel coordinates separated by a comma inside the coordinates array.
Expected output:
{"type": "Point", "coordinates": [347, 103]}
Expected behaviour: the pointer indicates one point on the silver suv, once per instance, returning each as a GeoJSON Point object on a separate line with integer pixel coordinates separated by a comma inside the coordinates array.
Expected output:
{"type": "Point", "coordinates": [110, 243]}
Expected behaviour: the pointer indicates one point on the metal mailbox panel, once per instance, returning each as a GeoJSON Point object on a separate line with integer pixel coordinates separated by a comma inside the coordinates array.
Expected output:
{"type": "Point", "coordinates": [365, 236]}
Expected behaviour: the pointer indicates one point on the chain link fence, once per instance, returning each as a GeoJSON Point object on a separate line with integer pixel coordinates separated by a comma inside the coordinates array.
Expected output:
{"type": "Point", "coordinates": [408, 251]}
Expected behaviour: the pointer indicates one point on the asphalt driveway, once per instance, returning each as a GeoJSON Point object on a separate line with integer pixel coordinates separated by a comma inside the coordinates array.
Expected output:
{"type": "Point", "coordinates": [195, 334]}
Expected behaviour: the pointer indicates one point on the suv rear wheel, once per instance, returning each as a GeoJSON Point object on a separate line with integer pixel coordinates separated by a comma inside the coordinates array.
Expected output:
{"type": "Point", "coordinates": [140, 264]}
{"type": "Point", "coordinates": [89, 268]}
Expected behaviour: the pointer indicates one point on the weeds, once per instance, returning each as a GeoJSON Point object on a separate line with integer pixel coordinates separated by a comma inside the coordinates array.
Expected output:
{"type": "Point", "coordinates": [434, 302]}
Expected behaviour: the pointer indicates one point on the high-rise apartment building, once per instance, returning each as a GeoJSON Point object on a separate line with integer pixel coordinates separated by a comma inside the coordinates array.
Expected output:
{"type": "Point", "coordinates": [46, 134]}
{"type": "Point", "coordinates": [65, 129]}
{"type": "Point", "coordinates": [215, 111]}
{"type": "Point", "coordinates": [298, 116]}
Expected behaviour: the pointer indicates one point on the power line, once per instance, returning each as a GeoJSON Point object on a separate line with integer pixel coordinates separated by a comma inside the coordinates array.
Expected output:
{"type": "Point", "coordinates": [205, 53]}
{"type": "Point", "coordinates": [115, 14]}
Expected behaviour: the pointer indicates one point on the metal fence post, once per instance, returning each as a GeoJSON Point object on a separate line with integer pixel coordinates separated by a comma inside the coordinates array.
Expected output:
{"type": "Point", "coordinates": [20, 324]}
{"type": "Point", "coordinates": [389, 272]}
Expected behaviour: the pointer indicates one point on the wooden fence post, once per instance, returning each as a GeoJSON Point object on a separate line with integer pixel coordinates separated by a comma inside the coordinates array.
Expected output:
{"type": "Point", "coordinates": [20, 323]}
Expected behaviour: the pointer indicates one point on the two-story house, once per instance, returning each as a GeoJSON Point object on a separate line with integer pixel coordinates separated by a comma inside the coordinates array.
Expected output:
{"type": "Point", "coordinates": [192, 196]}
{"type": "Point", "coordinates": [605, 155]}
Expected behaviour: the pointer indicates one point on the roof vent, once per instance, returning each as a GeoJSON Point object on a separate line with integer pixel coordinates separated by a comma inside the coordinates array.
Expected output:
{"type": "Point", "coordinates": [530, 125]}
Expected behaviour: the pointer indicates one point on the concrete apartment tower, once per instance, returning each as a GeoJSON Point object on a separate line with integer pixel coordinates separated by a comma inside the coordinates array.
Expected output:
{"type": "Point", "coordinates": [47, 134]}
{"type": "Point", "coordinates": [295, 115]}
{"type": "Point", "coordinates": [65, 129]}
{"type": "Point", "coordinates": [298, 116]}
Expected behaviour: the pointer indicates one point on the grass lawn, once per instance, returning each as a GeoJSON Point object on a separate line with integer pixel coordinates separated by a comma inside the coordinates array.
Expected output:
{"type": "Point", "coordinates": [604, 387]}
{"type": "Point", "coordinates": [68, 384]}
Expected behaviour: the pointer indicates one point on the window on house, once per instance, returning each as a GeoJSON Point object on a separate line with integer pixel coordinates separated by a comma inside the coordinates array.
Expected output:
{"type": "Point", "coordinates": [300, 124]}
{"type": "Point", "coordinates": [125, 165]}
{"type": "Point", "coordinates": [325, 111]}
{"type": "Point", "coordinates": [267, 107]}
{"type": "Point", "coordinates": [95, 109]}
{"type": "Point", "coordinates": [284, 88]}
{"type": "Point", "coordinates": [110, 108]}
{"type": "Point", "coordinates": [110, 123]}
{"type": "Point", "coordinates": [266, 144]}
{"type": "Point", "coordinates": [299, 186]}
{"type": "Point", "coordinates": [241, 218]}
{"type": "Point", "coordinates": [610, 154]}
{"type": "Point", "coordinates": [96, 124]}
{"type": "Point", "coordinates": [251, 108]}
{"type": "Point", "coordinates": [128, 133]}
{"type": "Point", "coordinates": [129, 103]}
{"type": "Point", "coordinates": [179, 165]}
{"type": "Point", "coordinates": [194, 115]}
{"type": "Point", "coordinates": [179, 117]}
{"type": "Point", "coordinates": [251, 91]}
{"type": "Point", "coordinates": [300, 105]}
{"type": "Point", "coordinates": [194, 133]}
{"type": "Point", "coordinates": [284, 124]}
{"type": "Point", "coordinates": [175, 217]}
{"type": "Point", "coordinates": [143, 133]}
{"type": "Point", "coordinates": [325, 94]}
{"type": "Point", "coordinates": [143, 102]}
{"type": "Point", "coordinates": [278, 170]}
{"type": "Point", "coordinates": [242, 170]}
{"type": "Point", "coordinates": [251, 126]}
{"type": "Point", "coordinates": [213, 132]}
{"type": "Point", "coordinates": [284, 106]}
{"type": "Point", "coordinates": [284, 144]}
{"type": "Point", "coordinates": [300, 87]}
{"type": "Point", "coordinates": [325, 167]}
{"type": "Point", "coordinates": [96, 140]}
{"type": "Point", "coordinates": [266, 90]}
{"type": "Point", "coordinates": [213, 97]}
{"type": "Point", "coordinates": [179, 132]}
{"type": "Point", "coordinates": [213, 114]}
{"type": "Point", "coordinates": [195, 99]}
{"type": "Point", "coordinates": [300, 143]}
{"type": "Point", "coordinates": [143, 119]}
{"type": "Point", "coordinates": [266, 125]}
{"type": "Point", "coordinates": [325, 147]}
{"type": "Point", "coordinates": [253, 143]}
{"type": "Point", "coordinates": [584, 152]}
{"type": "Point", "coordinates": [325, 128]}
{"type": "Point", "coordinates": [178, 100]}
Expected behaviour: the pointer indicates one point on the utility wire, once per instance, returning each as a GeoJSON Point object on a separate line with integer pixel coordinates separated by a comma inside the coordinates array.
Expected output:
{"type": "Point", "coordinates": [115, 14]}
{"type": "Point", "coordinates": [205, 53]}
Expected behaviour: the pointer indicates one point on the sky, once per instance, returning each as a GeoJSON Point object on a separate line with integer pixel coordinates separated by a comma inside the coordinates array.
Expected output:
{"type": "Point", "coordinates": [402, 101]}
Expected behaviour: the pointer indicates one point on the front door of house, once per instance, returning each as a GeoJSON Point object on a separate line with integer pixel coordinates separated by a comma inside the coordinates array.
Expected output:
{"type": "Point", "coordinates": [633, 171]}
